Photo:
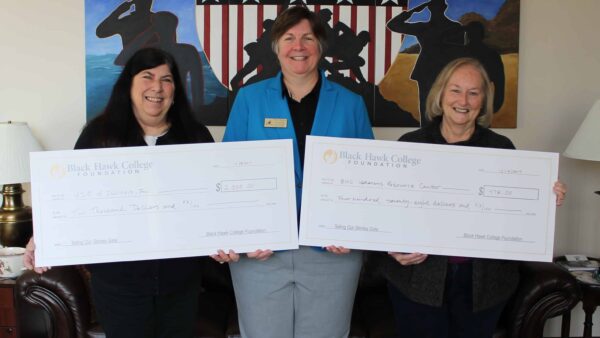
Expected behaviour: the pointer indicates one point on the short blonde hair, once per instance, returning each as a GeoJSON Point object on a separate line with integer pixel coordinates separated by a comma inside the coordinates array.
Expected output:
{"type": "Point", "coordinates": [434, 98]}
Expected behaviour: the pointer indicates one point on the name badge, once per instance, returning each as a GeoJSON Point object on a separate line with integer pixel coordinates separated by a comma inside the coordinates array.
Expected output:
{"type": "Point", "coordinates": [275, 123]}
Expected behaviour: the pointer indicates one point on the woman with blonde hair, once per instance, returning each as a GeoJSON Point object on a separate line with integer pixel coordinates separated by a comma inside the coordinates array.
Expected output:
{"type": "Point", "coordinates": [439, 296]}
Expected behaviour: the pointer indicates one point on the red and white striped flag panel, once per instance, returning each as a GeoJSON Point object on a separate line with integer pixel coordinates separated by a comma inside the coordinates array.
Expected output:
{"type": "Point", "coordinates": [225, 29]}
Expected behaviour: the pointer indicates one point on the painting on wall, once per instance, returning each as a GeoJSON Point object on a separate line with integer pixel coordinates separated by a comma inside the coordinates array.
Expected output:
{"type": "Point", "coordinates": [387, 51]}
{"type": "Point", "coordinates": [437, 31]}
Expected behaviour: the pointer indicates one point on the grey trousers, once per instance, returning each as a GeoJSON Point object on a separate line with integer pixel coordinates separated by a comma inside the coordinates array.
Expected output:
{"type": "Point", "coordinates": [303, 293]}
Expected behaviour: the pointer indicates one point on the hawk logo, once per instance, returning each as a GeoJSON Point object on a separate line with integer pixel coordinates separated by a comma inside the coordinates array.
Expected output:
{"type": "Point", "coordinates": [57, 171]}
{"type": "Point", "coordinates": [330, 156]}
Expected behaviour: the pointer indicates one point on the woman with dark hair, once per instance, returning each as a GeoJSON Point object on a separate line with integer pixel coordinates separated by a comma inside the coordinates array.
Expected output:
{"type": "Point", "coordinates": [454, 297]}
{"type": "Point", "coordinates": [152, 298]}
{"type": "Point", "coordinates": [309, 292]}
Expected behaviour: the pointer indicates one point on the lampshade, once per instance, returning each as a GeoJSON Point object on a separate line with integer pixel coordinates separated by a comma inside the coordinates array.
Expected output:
{"type": "Point", "coordinates": [16, 141]}
{"type": "Point", "coordinates": [585, 145]}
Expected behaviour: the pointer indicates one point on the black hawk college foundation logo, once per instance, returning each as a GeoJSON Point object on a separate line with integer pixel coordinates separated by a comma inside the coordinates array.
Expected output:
{"type": "Point", "coordinates": [330, 156]}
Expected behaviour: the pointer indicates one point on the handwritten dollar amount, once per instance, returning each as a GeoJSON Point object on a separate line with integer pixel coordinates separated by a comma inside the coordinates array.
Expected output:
{"type": "Point", "coordinates": [246, 185]}
{"type": "Point", "coordinates": [509, 192]}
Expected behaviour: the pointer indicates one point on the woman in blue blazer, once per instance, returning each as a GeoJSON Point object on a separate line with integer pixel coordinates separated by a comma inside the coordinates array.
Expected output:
{"type": "Point", "coordinates": [306, 292]}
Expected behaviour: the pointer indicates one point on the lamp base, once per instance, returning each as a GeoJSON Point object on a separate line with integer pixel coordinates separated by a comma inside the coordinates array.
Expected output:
{"type": "Point", "coordinates": [16, 226]}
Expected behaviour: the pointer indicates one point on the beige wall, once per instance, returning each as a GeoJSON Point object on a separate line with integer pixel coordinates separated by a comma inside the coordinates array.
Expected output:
{"type": "Point", "coordinates": [42, 75]}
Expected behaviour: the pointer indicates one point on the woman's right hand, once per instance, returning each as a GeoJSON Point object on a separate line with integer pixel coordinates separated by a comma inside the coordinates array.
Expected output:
{"type": "Point", "coordinates": [29, 258]}
{"type": "Point", "coordinates": [408, 259]}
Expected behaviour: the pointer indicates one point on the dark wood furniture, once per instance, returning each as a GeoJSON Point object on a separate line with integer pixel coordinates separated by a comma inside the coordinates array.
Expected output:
{"type": "Point", "coordinates": [8, 312]}
{"type": "Point", "coordinates": [590, 299]}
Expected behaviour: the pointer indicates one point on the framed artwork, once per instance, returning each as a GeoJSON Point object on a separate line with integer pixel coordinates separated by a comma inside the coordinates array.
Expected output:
{"type": "Point", "coordinates": [387, 51]}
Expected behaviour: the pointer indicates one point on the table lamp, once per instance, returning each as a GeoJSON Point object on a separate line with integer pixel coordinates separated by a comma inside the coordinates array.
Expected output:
{"type": "Point", "coordinates": [16, 141]}
{"type": "Point", "coordinates": [585, 145]}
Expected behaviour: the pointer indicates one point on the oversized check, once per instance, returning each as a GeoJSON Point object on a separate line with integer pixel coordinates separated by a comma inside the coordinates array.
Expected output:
{"type": "Point", "coordinates": [434, 199]}
{"type": "Point", "coordinates": [123, 204]}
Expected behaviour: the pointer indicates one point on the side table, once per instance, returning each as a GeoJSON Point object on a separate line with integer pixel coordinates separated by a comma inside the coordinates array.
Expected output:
{"type": "Point", "coordinates": [590, 298]}
{"type": "Point", "coordinates": [8, 313]}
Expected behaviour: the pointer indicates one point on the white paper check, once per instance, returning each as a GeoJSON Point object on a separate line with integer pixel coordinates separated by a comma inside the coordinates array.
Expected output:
{"type": "Point", "coordinates": [434, 199]}
{"type": "Point", "coordinates": [123, 204]}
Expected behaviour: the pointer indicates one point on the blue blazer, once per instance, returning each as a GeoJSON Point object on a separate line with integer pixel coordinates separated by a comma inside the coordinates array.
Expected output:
{"type": "Point", "coordinates": [340, 113]}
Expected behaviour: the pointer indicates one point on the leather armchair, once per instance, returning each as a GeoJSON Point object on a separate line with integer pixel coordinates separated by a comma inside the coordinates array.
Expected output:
{"type": "Point", "coordinates": [57, 304]}
{"type": "Point", "coordinates": [545, 291]}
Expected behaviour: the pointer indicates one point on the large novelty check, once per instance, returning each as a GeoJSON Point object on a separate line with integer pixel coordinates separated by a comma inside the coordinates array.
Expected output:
{"type": "Point", "coordinates": [435, 199]}
{"type": "Point", "coordinates": [123, 204]}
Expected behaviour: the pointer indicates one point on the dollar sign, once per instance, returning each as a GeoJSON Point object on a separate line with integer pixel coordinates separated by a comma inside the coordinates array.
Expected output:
{"type": "Point", "coordinates": [481, 191]}
{"type": "Point", "coordinates": [218, 187]}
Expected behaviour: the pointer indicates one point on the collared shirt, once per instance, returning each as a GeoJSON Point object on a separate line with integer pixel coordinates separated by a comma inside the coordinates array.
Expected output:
{"type": "Point", "coordinates": [303, 114]}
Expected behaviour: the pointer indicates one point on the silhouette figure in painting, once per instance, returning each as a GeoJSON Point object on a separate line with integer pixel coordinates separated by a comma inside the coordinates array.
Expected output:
{"type": "Point", "coordinates": [348, 53]}
{"type": "Point", "coordinates": [330, 43]}
{"type": "Point", "coordinates": [344, 47]}
{"type": "Point", "coordinates": [140, 27]}
{"type": "Point", "coordinates": [489, 58]}
{"type": "Point", "coordinates": [330, 32]}
{"type": "Point", "coordinates": [260, 54]}
{"type": "Point", "coordinates": [441, 40]}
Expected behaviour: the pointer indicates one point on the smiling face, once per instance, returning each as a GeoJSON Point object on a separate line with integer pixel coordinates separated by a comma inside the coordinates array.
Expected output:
{"type": "Point", "coordinates": [463, 97]}
{"type": "Point", "coordinates": [152, 93]}
{"type": "Point", "coordinates": [298, 51]}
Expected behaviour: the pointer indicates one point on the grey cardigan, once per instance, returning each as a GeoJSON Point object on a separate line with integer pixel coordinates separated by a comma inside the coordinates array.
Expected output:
{"type": "Point", "coordinates": [494, 281]}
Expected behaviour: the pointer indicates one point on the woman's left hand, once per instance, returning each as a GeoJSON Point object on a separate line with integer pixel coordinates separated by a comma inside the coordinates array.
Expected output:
{"type": "Point", "coordinates": [338, 250]}
{"type": "Point", "coordinates": [261, 255]}
{"type": "Point", "coordinates": [560, 189]}
{"type": "Point", "coordinates": [226, 257]}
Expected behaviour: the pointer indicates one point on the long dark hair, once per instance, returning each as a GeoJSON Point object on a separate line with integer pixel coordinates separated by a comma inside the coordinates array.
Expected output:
{"type": "Point", "coordinates": [117, 124]}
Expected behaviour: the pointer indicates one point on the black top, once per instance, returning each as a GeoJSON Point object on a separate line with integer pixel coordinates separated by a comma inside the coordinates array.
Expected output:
{"type": "Point", "coordinates": [149, 277]}
{"type": "Point", "coordinates": [482, 137]}
{"type": "Point", "coordinates": [303, 114]}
